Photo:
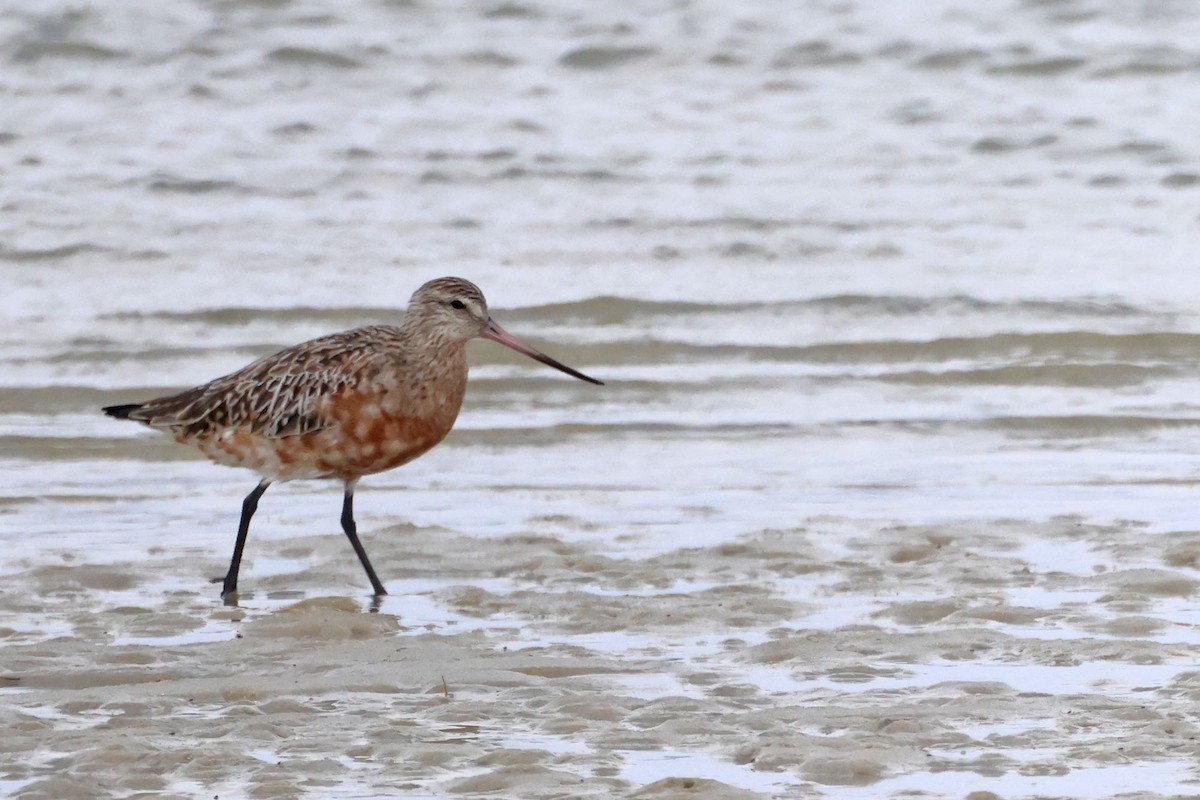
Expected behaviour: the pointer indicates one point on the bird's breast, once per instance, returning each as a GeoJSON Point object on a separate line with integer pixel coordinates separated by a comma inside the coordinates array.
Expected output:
{"type": "Point", "coordinates": [383, 427]}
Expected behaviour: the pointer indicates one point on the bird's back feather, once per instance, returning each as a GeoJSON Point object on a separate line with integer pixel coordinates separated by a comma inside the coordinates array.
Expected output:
{"type": "Point", "coordinates": [279, 395]}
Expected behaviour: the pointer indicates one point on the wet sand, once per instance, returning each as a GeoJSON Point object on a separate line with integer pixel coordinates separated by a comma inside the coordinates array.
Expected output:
{"type": "Point", "coordinates": [807, 662]}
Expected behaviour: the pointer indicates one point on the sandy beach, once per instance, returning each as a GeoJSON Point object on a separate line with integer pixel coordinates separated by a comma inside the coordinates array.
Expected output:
{"type": "Point", "coordinates": [954, 660]}
{"type": "Point", "coordinates": [891, 491]}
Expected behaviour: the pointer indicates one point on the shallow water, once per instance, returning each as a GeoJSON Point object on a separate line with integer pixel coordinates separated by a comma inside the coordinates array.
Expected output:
{"type": "Point", "coordinates": [891, 489]}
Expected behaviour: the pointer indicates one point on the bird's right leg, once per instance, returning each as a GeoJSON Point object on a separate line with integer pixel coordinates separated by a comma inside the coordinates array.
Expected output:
{"type": "Point", "coordinates": [249, 506]}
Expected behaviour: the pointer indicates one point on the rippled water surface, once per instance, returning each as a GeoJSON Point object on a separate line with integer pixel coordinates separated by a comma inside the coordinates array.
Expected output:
{"type": "Point", "coordinates": [892, 488]}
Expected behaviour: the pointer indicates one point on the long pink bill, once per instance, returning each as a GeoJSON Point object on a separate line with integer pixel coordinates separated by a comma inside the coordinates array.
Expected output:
{"type": "Point", "coordinates": [498, 334]}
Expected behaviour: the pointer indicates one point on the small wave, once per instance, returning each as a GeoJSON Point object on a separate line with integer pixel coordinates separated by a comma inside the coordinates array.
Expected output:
{"type": "Point", "coordinates": [170, 183]}
{"type": "Point", "coordinates": [308, 56]}
{"type": "Point", "coordinates": [742, 223]}
{"type": "Point", "coordinates": [1088, 426]}
{"type": "Point", "coordinates": [339, 317]}
{"type": "Point", "coordinates": [618, 311]}
{"type": "Point", "coordinates": [1039, 67]}
{"type": "Point", "coordinates": [512, 11]}
{"type": "Point", "coordinates": [1180, 180]}
{"type": "Point", "coordinates": [1152, 350]}
{"type": "Point", "coordinates": [1007, 144]}
{"type": "Point", "coordinates": [76, 50]}
{"type": "Point", "coordinates": [1069, 346]}
{"type": "Point", "coordinates": [106, 354]}
{"type": "Point", "coordinates": [99, 448]}
{"type": "Point", "coordinates": [490, 58]}
{"type": "Point", "coordinates": [47, 254]}
{"type": "Point", "coordinates": [1149, 62]}
{"type": "Point", "coordinates": [1082, 375]}
{"type": "Point", "coordinates": [950, 59]}
{"type": "Point", "coordinates": [551, 435]}
{"type": "Point", "coordinates": [53, 399]}
{"type": "Point", "coordinates": [600, 57]}
{"type": "Point", "coordinates": [813, 54]}
{"type": "Point", "coordinates": [175, 183]}
{"type": "Point", "coordinates": [613, 310]}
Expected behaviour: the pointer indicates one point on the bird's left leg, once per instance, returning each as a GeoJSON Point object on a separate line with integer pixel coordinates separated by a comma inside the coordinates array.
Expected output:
{"type": "Point", "coordinates": [352, 534]}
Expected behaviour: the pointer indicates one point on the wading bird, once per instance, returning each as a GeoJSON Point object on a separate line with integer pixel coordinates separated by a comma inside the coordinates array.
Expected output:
{"type": "Point", "coordinates": [341, 406]}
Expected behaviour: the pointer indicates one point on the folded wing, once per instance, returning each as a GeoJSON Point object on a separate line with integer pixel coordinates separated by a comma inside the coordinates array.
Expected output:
{"type": "Point", "coordinates": [283, 394]}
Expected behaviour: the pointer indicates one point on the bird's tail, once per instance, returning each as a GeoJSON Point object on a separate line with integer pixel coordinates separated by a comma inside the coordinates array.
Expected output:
{"type": "Point", "coordinates": [121, 412]}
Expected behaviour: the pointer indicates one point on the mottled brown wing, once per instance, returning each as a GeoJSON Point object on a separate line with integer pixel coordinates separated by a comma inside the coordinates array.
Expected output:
{"type": "Point", "coordinates": [279, 395]}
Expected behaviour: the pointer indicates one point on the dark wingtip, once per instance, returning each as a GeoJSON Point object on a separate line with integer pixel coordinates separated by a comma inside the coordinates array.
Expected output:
{"type": "Point", "coordinates": [121, 412]}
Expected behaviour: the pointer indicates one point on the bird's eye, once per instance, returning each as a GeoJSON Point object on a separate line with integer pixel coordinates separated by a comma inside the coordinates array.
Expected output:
{"type": "Point", "coordinates": [457, 304]}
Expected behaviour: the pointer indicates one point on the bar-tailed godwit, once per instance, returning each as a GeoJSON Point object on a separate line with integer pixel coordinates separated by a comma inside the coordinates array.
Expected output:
{"type": "Point", "coordinates": [341, 406]}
